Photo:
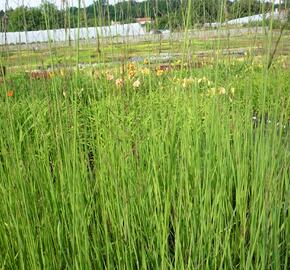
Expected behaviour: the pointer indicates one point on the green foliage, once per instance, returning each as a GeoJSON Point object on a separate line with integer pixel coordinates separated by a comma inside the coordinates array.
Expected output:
{"type": "Point", "coordinates": [243, 8]}
{"type": "Point", "coordinates": [166, 14]}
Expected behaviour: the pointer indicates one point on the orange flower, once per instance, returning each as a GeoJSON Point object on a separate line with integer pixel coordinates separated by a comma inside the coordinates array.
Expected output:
{"type": "Point", "coordinates": [10, 93]}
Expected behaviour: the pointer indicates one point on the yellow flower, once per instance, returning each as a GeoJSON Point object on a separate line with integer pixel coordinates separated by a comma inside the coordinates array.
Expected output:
{"type": "Point", "coordinates": [145, 71]}
{"type": "Point", "coordinates": [146, 62]}
{"type": "Point", "coordinates": [131, 66]}
{"type": "Point", "coordinates": [96, 74]}
{"type": "Point", "coordinates": [109, 76]}
{"type": "Point", "coordinates": [187, 81]}
{"type": "Point", "coordinates": [232, 90]}
{"type": "Point", "coordinates": [119, 83]}
{"type": "Point", "coordinates": [159, 72]}
{"type": "Point", "coordinates": [51, 74]}
{"type": "Point", "coordinates": [136, 84]}
{"type": "Point", "coordinates": [131, 73]}
{"type": "Point", "coordinates": [222, 91]}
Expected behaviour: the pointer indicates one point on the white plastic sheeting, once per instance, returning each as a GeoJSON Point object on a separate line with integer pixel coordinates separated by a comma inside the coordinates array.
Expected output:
{"type": "Point", "coordinates": [259, 17]}
{"type": "Point", "coordinates": [59, 35]}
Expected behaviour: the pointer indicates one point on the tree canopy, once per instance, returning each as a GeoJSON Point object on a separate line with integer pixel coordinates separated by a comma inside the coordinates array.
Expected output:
{"type": "Point", "coordinates": [166, 14]}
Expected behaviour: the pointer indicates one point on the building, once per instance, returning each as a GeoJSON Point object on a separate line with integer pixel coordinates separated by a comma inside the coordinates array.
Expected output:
{"type": "Point", "coordinates": [277, 15]}
{"type": "Point", "coordinates": [280, 15]}
{"type": "Point", "coordinates": [143, 21]}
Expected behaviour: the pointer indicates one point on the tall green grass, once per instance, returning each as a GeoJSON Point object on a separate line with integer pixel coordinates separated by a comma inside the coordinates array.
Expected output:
{"type": "Point", "coordinates": [166, 178]}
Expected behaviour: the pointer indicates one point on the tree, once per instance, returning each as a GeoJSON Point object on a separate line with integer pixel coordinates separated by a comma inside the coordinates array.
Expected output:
{"type": "Point", "coordinates": [50, 14]}
{"type": "Point", "coordinates": [243, 8]}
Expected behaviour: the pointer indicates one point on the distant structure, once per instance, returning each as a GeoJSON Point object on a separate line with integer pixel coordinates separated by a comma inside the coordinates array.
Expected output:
{"type": "Point", "coordinates": [58, 35]}
{"type": "Point", "coordinates": [143, 21]}
{"type": "Point", "coordinates": [213, 24]}
{"type": "Point", "coordinates": [279, 15]}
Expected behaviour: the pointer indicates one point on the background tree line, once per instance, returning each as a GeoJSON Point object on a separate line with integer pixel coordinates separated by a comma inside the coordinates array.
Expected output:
{"type": "Point", "coordinates": [171, 14]}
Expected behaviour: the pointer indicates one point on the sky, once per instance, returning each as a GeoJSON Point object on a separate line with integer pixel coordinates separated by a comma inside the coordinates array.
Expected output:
{"type": "Point", "coordinates": [33, 3]}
